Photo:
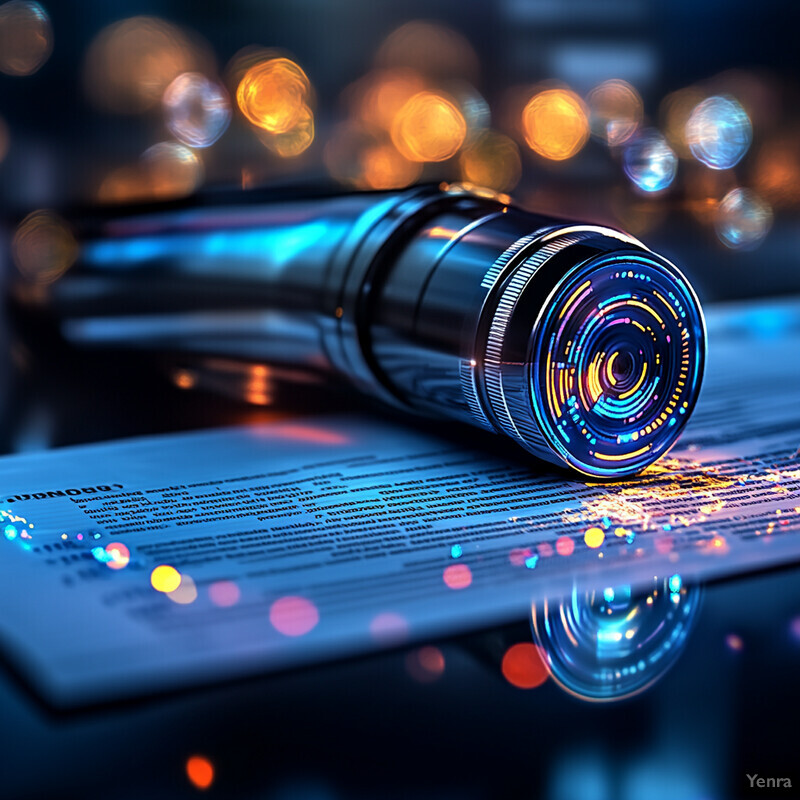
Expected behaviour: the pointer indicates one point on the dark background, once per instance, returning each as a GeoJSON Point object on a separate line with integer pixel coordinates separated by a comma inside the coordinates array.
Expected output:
{"type": "Point", "coordinates": [368, 728]}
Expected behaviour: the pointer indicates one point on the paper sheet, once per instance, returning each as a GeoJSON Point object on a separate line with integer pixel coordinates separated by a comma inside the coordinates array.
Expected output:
{"type": "Point", "coordinates": [307, 540]}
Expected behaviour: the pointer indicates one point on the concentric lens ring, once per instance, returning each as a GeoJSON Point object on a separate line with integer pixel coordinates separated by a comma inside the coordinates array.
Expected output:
{"type": "Point", "coordinates": [616, 363]}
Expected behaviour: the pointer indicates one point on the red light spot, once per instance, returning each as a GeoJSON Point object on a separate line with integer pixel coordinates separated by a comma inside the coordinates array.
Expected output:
{"type": "Point", "coordinates": [524, 666]}
{"type": "Point", "coordinates": [518, 555]}
{"type": "Point", "coordinates": [224, 593]}
{"type": "Point", "coordinates": [200, 772]}
{"type": "Point", "coordinates": [307, 433]}
{"type": "Point", "coordinates": [457, 576]}
{"type": "Point", "coordinates": [565, 546]}
{"type": "Point", "coordinates": [426, 664]}
{"type": "Point", "coordinates": [545, 549]}
{"type": "Point", "coordinates": [293, 616]}
{"type": "Point", "coordinates": [664, 544]}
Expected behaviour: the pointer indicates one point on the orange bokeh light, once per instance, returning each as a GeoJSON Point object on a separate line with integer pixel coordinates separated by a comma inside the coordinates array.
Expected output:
{"type": "Point", "coordinates": [200, 772]}
{"type": "Point", "coordinates": [491, 160]}
{"type": "Point", "coordinates": [429, 127]}
{"type": "Point", "coordinates": [524, 666]}
{"type": "Point", "coordinates": [385, 168]}
{"type": "Point", "coordinates": [26, 37]}
{"type": "Point", "coordinates": [555, 124]}
{"type": "Point", "coordinates": [293, 142]}
{"type": "Point", "coordinates": [457, 576]}
{"type": "Point", "coordinates": [616, 111]}
{"type": "Point", "coordinates": [130, 63]}
{"type": "Point", "coordinates": [43, 247]}
{"type": "Point", "coordinates": [272, 94]}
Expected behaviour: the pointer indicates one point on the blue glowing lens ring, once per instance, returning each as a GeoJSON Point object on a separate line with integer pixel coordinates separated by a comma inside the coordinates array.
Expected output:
{"type": "Point", "coordinates": [609, 373]}
{"type": "Point", "coordinates": [613, 643]}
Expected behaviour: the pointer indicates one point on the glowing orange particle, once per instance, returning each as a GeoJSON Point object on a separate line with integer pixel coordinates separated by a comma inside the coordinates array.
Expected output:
{"type": "Point", "coordinates": [200, 772]}
{"type": "Point", "coordinates": [429, 127]}
{"type": "Point", "coordinates": [272, 94]}
{"type": "Point", "coordinates": [293, 615]}
{"type": "Point", "coordinates": [594, 537]}
{"type": "Point", "coordinates": [555, 124]}
{"type": "Point", "coordinates": [524, 666]}
{"type": "Point", "coordinates": [457, 576]}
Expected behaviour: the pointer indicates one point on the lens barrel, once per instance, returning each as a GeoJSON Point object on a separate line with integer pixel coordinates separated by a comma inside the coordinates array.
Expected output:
{"type": "Point", "coordinates": [574, 340]}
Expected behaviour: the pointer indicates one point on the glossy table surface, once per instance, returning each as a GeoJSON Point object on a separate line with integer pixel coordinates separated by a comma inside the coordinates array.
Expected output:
{"type": "Point", "coordinates": [381, 726]}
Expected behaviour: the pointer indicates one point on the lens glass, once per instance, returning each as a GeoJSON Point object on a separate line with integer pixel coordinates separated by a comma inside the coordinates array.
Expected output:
{"type": "Point", "coordinates": [616, 363]}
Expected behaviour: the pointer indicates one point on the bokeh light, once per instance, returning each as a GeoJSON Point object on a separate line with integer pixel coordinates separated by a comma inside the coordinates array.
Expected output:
{"type": "Point", "coordinates": [743, 219]}
{"type": "Point", "coordinates": [649, 162]}
{"type": "Point", "coordinates": [565, 546]}
{"type": "Point", "coordinates": [293, 615]}
{"type": "Point", "coordinates": [734, 642]}
{"type": "Point", "coordinates": [272, 94]}
{"type": "Point", "coordinates": [120, 555]}
{"type": "Point", "coordinates": [555, 124]}
{"type": "Point", "coordinates": [429, 127]}
{"type": "Point", "coordinates": [224, 594]}
{"type": "Point", "coordinates": [44, 247]}
{"type": "Point", "coordinates": [776, 174]}
{"type": "Point", "coordinates": [674, 112]}
{"type": "Point", "coordinates": [426, 664]}
{"type": "Point", "coordinates": [196, 110]}
{"type": "Point", "coordinates": [457, 576]}
{"type": "Point", "coordinates": [389, 627]}
{"type": "Point", "coordinates": [26, 37]}
{"type": "Point", "coordinates": [382, 167]}
{"type": "Point", "coordinates": [492, 160]}
{"type": "Point", "coordinates": [430, 48]}
{"type": "Point", "coordinates": [186, 593]}
{"type": "Point", "coordinates": [378, 97]}
{"type": "Point", "coordinates": [719, 132]}
{"type": "Point", "coordinates": [200, 772]}
{"type": "Point", "coordinates": [165, 578]}
{"type": "Point", "coordinates": [130, 63]}
{"type": "Point", "coordinates": [615, 111]}
{"type": "Point", "coordinates": [594, 537]}
{"type": "Point", "coordinates": [172, 170]}
{"type": "Point", "coordinates": [524, 666]}
{"type": "Point", "coordinates": [293, 142]}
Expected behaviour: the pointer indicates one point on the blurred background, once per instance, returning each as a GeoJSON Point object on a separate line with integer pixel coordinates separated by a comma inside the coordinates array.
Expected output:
{"type": "Point", "coordinates": [677, 122]}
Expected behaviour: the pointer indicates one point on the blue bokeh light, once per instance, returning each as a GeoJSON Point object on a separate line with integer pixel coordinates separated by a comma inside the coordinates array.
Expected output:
{"type": "Point", "coordinates": [649, 162]}
{"type": "Point", "coordinates": [719, 132]}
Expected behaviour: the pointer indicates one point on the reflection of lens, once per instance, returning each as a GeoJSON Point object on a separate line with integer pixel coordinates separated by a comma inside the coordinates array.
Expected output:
{"type": "Point", "coordinates": [617, 363]}
{"type": "Point", "coordinates": [611, 644]}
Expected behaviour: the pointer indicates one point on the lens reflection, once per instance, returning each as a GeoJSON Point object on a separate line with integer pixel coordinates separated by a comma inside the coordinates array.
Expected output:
{"type": "Point", "coordinates": [613, 643]}
{"type": "Point", "coordinates": [743, 219]}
